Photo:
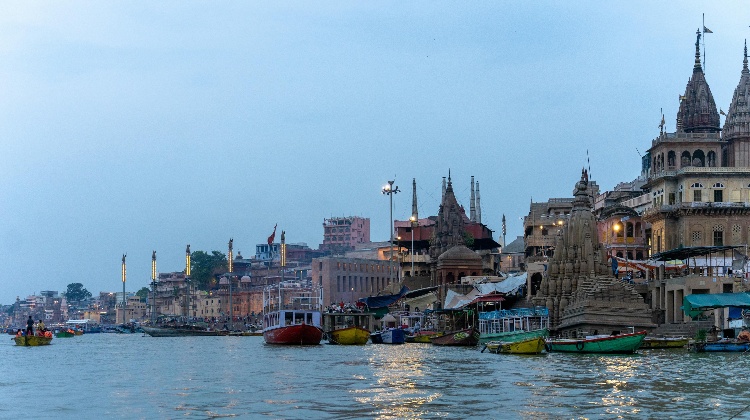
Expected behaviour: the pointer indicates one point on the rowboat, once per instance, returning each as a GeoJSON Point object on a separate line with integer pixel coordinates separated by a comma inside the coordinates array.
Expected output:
{"type": "Point", "coordinates": [721, 346]}
{"type": "Point", "coordinates": [664, 342]}
{"type": "Point", "coordinates": [518, 335]}
{"type": "Point", "coordinates": [613, 344]}
{"type": "Point", "coordinates": [423, 336]}
{"type": "Point", "coordinates": [32, 340]}
{"type": "Point", "coordinates": [533, 345]}
{"type": "Point", "coordinates": [64, 334]}
{"type": "Point", "coordinates": [347, 328]}
{"type": "Point", "coordinates": [466, 337]}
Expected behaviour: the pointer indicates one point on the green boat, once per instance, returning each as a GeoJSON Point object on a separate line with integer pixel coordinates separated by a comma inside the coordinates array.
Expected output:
{"type": "Point", "coordinates": [513, 336]}
{"type": "Point", "coordinates": [64, 334]}
{"type": "Point", "coordinates": [612, 344]}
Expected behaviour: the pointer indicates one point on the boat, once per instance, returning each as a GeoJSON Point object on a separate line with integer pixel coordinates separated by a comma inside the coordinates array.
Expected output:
{"type": "Point", "coordinates": [513, 324]}
{"type": "Point", "coordinates": [423, 336]}
{"type": "Point", "coordinates": [664, 342]}
{"type": "Point", "coordinates": [613, 344]}
{"type": "Point", "coordinates": [725, 345]}
{"type": "Point", "coordinates": [64, 334]}
{"type": "Point", "coordinates": [292, 314]}
{"type": "Point", "coordinates": [389, 336]}
{"type": "Point", "coordinates": [33, 340]}
{"type": "Point", "coordinates": [183, 331]}
{"type": "Point", "coordinates": [466, 337]}
{"type": "Point", "coordinates": [347, 328]}
{"type": "Point", "coordinates": [534, 345]}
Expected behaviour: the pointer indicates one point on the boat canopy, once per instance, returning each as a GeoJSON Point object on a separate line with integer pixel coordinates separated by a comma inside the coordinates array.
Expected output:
{"type": "Point", "coordinates": [385, 300]}
{"type": "Point", "coordinates": [695, 304]}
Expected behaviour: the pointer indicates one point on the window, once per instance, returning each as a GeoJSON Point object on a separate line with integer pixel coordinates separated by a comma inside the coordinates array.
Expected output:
{"type": "Point", "coordinates": [718, 196]}
{"type": "Point", "coordinates": [718, 185]}
{"type": "Point", "coordinates": [696, 237]}
{"type": "Point", "coordinates": [718, 238]}
{"type": "Point", "coordinates": [697, 185]}
{"type": "Point", "coordinates": [671, 198]}
{"type": "Point", "coordinates": [696, 195]}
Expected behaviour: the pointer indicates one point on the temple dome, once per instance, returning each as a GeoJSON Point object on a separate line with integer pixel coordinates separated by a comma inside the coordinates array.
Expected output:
{"type": "Point", "coordinates": [737, 123]}
{"type": "Point", "coordinates": [698, 113]}
{"type": "Point", "coordinates": [459, 253]}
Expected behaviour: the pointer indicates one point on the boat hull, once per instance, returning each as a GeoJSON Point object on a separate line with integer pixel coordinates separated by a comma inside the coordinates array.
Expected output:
{"type": "Point", "coordinates": [349, 336]}
{"type": "Point", "coordinates": [293, 334]}
{"type": "Point", "coordinates": [466, 338]}
{"type": "Point", "coordinates": [511, 336]}
{"type": "Point", "coordinates": [181, 332]}
{"type": "Point", "coordinates": [719, 346]}
{"type": "Point", "coordinates": [389, 336]}
{"type": "Point", "coordinates": [64, 334]}
{"type": "Point", "coordinates": [32, 340]}
{"type": "Point", "coordinates": [664, 343]}
{"type": "Point", "coordinates": [615, 344]}
{"type": "Point", "coordinates": [534, 345]}
{"type": "Point", "coordinates": [423, 337]}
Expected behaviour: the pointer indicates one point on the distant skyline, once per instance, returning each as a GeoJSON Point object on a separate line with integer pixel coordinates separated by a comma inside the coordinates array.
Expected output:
{"type": "Point", "coordinates": [132, 127]}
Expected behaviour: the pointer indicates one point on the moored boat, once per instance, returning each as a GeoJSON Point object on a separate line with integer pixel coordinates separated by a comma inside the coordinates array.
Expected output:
{"type": "Point", "coordinates": [513, 324]}
{"type": "Point", "coordinates": [348, 328]}
{"type": "Point", "coordinates": [466, 337]}
{"type": "Point", "coordinates": [613, 344]}
{"type": "Point", "coordinates": [291, 315]}
{"type": "Point", "coordinates": [64, 334]}
{"type": "Point", "coordinates": [720, 346]}
{"type": "Point", "coordinates": [664, 342]}
{"type": "Point", "coordinates": [534, 345]}
{"type": "Point", "coordinates": [182, 331]}
{"type": "Point", "coordinates": [422, 336]}
{"type": "Point", "coordinates": [33, 340]}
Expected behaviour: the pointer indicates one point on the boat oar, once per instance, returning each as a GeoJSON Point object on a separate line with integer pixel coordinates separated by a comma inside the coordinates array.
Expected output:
{"type": "Point", "coordinates": [484, 348]}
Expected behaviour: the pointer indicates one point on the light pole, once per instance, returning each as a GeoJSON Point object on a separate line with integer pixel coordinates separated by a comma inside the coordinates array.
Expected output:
{"type": "Point", "coordinates": [187, 278]}
{"type": "Point", "coordinates": [153, 288]}
{"type": "Point", "coordinates": [231, 306]}
{"type": "Point", "coordinates": [123, 288]}
{"type": "Point", "coordinates": [413, 220]}
{"type": "Point", "coordinates": [390, 190]}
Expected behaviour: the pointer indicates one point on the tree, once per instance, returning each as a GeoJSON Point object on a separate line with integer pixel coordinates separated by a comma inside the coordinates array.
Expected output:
{"type": "Point", "coordinates": [76, 292]}
{"type": "Point", "coordinates": [205, 266]}
{"type": "Point", "coordinates": [143, 293]}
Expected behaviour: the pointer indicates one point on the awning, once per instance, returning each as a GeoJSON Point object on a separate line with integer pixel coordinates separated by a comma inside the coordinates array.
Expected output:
{"type": "Point", "coordinates": [692, 251]}
{"type": "Point", "coordinates": [694, 305]}
{"type": "Point", "coordinates": [383, 301]}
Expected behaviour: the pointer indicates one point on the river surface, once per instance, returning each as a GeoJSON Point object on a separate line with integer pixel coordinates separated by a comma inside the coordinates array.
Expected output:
{"type": "Point", "coordinates": [102, 376]}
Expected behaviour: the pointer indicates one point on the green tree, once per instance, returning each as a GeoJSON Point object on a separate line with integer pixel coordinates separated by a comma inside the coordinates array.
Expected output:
{"type": "Point", "coordinates": [76, 292]}
{"type": "Point", "coordinates": [204, 266]}
{"type": "Point", "coordinates": [468, 239]}
{"type": "Point", "coordinates": [143, 293]}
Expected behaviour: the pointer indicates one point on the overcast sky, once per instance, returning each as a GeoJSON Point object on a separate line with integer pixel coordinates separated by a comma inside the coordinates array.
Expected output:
{"type": "Point", "coordinates": [127, 127]}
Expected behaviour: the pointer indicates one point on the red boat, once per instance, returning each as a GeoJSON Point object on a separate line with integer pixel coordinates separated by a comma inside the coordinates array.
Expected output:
{"type": "Point", "coordinates": [292, 327]}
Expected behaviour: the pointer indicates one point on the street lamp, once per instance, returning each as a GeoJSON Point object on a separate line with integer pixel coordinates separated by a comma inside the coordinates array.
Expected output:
{"type": "Point", "coordinates": [153, 287]}
{"type": "Point", "coordinates": [231, 306]}
{"type": "Point", "coordinates": [187, 278]}
{"type": "Point", "coordinates": [124, 304]}
{"type": "Point", "coordinates": [413, 220]}
{"type": "Point", "coordinates": [390, 190]}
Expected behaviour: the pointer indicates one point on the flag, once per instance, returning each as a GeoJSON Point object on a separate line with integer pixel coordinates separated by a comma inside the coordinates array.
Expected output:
{"type": "Point", "coordinates": [273, 235]}
{"type": "Point", "coordinates": [707, 31]}
{"type": "Point", "coordinates": [721, 111]}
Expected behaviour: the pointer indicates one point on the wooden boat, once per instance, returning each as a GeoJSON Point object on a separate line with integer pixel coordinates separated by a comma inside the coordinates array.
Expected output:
{"type": "Point", "coordinates": [64, 334]}
{"type": "Point", "coordinates": [352, 328]}
{"type": "Point", "coordinates": [720, 346]}
{"type": "Point", "coordinates": [664, 342]}
{"type": "Point", "coordinates": [389, 336]}
{"type": "Point", "coordinates": [504, 324]}
{"type": "Point", "coordinates": [32, 340]}
{"type": "Point", "coordinates": [291, 315]}
{"type": "Point", "coordinates": [182, 331]}
{"type": "Point", "coordinates": [533, 345]}
{"type": "Point", "coordinates": [422, 336]}
{"type": "Point", "coordinates": [466, 337]}
{"type": "Point", "coordinates": [614, 344]}
{"type": "Point", "coordinates": [510, 336]}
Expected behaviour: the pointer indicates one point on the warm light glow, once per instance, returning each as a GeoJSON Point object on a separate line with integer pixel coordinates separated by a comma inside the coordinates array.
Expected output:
{"type": "Point", "coordinates": [616, 227]}
{"type": "Point", "coordinates": [153, 269]}
{"type": "Point", "coordinates": [412, 219]}
{"type": "Point", "coordinates": [283, 255]}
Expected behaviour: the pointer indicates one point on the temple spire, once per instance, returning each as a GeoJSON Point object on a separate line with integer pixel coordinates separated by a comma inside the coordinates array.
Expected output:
{"type": "Point", "coordinates": [472, 205]}
{"type": "Point", "coordinates": [697, 66]}
{"type": "Point", "coordinates": [443, 196]}
{"type": "Point", "coordinates": [744, 62]}
{"type": "Point", "coordinates": [479, 206]}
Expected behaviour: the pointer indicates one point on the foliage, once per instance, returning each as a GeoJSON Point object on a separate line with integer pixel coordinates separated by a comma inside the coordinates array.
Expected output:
{"type": "Point", "coordinates": [700, 335]}
{"type": "Point", "coordinates": [204, 267]}
{"type": "Point", "coordinates": [76, 293]}
{"type": "Point", "coordinates": [468, 239]}
{"type": "Point", "coordinates": [143, 293]}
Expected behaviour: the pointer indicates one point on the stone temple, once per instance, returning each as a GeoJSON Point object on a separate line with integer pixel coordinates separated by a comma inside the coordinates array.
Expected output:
{"type": "Point", "coordinates": [580, 291]}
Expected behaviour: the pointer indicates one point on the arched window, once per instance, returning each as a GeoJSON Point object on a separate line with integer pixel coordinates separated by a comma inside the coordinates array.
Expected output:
{"type": "Point", "coordinates": [699, 158]}
{"type": "Point", "coordinates": [697, 185]}
{"type": "Point", "coordinates": [718, 185]}
{"type": "Point", "coordinates": [685, 159]}
{"type": "Point", "coordinates": [671, 158]}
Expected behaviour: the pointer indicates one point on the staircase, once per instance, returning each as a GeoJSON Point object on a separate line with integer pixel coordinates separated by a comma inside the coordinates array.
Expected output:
{"type": "Point", "coordinates": [687, 329]}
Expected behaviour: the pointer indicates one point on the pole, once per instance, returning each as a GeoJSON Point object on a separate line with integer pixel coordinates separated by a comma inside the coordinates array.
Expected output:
{"type": "Point", "coordinates": [390, 190]}
{"type": "Point", "coordinates": [123, 287]}
{"type": "Point", "coordinates": [153, 287]}
{"type": "Point", "coordinates": [412, 247]}
{"type": "Point", "coordinates": [187, 278]}
{"type": "Point", "coordinates": [231, 306]}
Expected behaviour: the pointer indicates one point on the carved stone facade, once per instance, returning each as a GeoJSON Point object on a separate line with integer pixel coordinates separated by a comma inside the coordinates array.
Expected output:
{"type": "Point", "coordinates": [579, 290]}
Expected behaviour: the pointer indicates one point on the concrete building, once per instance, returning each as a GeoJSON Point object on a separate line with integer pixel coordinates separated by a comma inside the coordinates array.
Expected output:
{"type": "Point", "coordinates": [348, 279]}
{"type": "Point", "coordinates": [341, 234]}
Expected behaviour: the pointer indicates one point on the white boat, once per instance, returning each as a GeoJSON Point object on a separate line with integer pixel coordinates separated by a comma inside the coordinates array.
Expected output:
{"type": "Point", "coordinates": [292, 314]}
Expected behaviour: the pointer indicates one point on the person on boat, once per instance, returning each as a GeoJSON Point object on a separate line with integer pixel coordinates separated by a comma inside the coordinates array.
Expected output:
{"type": "Point", "coordinates": [30, 326]}
{"type": "Point", "coordinates": [744, 335]}
{"type": "Point", "coordinates": [40, 327]}
{"type": "Point", "coordinates": [19, 333]}
{"type": "Point", "coordinates": [417, 327]}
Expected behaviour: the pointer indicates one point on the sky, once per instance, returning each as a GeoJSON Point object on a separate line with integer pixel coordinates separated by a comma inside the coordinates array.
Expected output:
{"type": "Point", "coordinates": [128, 127]}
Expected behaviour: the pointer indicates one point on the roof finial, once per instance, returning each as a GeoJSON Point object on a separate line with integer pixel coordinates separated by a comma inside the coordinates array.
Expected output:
{"type": "Point", "coordinates": [697, 66]}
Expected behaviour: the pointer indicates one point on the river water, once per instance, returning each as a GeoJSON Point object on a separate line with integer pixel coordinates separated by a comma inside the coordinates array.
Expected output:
{"type": "Point", "coordinates": [134, 376]}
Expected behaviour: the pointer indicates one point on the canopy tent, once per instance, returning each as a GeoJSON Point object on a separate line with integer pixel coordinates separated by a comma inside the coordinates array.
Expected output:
{"type": "Point", "coordinates": [385, 300]}
{"type": "Point", "coordinates": [509, 286]}
{"type": "Point", "coordinates": [695, 304]}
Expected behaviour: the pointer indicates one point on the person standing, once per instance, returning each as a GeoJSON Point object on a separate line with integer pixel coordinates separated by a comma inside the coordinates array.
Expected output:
{"type": "Point", "coordinates": [29, 326]}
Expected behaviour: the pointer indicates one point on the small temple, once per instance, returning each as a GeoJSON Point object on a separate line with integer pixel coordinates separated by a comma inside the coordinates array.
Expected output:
{"type": "Point", "coordinates": [580, 291]}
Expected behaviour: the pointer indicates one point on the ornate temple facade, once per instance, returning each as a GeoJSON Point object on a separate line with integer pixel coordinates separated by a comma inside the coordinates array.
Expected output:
{"type": "Point", "coordinates": [579, 290]}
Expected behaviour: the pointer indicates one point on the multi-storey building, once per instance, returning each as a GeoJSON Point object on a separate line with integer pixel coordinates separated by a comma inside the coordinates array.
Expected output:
{"type": "Point", "coordinates": [341, 234]}
{"type": "Point", "coordinates": [348, 279]}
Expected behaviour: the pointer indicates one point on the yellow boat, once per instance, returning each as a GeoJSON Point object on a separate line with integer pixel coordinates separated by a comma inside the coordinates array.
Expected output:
{"type": "Point", "coordinates": [348, 328]}
{"type": "Point", "coordinates": [32, 340]}
{"type": "Point", "coordinates": [664, 342]}
{"type": "Point", "coordinates": [531, 346]}
{"type": "Point", "coordinates": [423, 336]}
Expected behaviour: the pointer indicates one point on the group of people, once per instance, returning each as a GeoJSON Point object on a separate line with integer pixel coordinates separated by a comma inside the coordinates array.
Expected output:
{"type": "Point", "coordinates": [41, 329]}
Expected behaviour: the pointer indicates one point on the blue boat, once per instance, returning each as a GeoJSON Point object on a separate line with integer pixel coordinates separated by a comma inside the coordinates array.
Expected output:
{"type": "Point", "coordinates": [721, 346]}
{"type": "Point", "coordinates": [389, 336]}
